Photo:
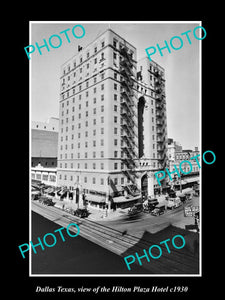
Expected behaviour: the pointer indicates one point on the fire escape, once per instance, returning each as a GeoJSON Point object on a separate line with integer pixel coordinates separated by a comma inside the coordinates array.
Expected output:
{"type": "Point", "coordinates": [128, 123]}
{"type": "Point", "coordinates": [160, 117]}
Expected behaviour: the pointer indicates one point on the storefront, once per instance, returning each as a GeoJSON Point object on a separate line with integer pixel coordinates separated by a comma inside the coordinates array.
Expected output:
{"type": "Point", "coordinates": [96, 201]}
{"type": "Point", "coordinates": [123, 202]}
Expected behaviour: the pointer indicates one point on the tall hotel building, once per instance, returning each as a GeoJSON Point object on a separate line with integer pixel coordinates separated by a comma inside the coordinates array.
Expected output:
{"type": "Point", "coordinates": [112, 131]}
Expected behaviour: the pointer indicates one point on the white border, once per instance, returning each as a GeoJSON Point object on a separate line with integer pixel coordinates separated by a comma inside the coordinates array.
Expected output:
{"type": "Point", "coordinates": [200, 111]}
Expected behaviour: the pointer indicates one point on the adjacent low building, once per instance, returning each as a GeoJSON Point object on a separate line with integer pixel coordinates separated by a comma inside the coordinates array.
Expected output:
{"type": "Point", "coordinates": [176, 155]}
{"type": "Point", "coordinates": [44, 148]}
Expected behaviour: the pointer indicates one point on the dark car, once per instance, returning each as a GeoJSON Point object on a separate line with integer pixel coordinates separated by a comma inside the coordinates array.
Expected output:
{"type": "Point", "coordinates": [159, 210]}
{"type": "Point", "coordinates": [151, 204]}
{"type": "Point", "coordinates": [81, 213]}
{"type": "Point", "coordinates": [46, 201]}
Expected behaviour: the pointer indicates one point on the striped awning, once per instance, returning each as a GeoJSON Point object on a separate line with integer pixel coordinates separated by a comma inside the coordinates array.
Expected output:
{"type": "Point", "coordinates": [95, 198]}
{"type": "Point", "coordinates": [122, 199]}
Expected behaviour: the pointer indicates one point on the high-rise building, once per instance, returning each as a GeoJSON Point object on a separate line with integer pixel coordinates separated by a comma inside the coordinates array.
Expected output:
{"type": "Point", "coordinates": [112, 129]}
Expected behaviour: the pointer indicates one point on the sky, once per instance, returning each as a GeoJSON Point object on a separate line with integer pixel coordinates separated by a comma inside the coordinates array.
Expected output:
{"type": "Point", "coordinates": [182, 71]}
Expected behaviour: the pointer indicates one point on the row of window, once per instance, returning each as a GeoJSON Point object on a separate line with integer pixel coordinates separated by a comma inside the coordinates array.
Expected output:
{"type": "Point", "coordinates": [88, 53]}
{"type": "Point", "coordinates": [90, 143]}
{"type": "Point", "coordinates": [94, 101]}
{"type": "Point", "coordinates": [93, 166]}
{"type": "Point", "coordinates": [86, 133]}
{"type": "Point", "coordinates": [102, 181]}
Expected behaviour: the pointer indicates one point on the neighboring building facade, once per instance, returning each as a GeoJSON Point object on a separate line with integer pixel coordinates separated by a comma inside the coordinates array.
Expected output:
{"type": "Point", "coordinates": [44, 148]}
{"type": "Point", "coordinates": [176, 155]}
{"type": "Point", "coordinates": [112, 121]}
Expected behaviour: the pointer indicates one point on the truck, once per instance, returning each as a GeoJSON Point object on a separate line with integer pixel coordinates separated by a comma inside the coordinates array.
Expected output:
{"type": "Point", "coordinates": [173, 202]}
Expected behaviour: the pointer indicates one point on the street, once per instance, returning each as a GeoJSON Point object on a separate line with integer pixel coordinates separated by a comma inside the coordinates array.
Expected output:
{"type": "Point", "coordinates": [76, 256]}
{"type": "Point", "coordinates": [138, 224]}
{"type": "Point", "coordinates": [127, 236]}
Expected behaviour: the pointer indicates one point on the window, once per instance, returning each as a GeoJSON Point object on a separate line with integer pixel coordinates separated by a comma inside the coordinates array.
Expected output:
{"type": "Point", "coordinates": [102, 130]}
{"type": "Point", "coordinates": [115, 86]}
{"type": "Point", "coordinates": [115, 119]}
{"type": "Point", "coordinates": [102, 119]}
{"type": "Point", "coordinates": [102, 108]}
{"type": "Point", "coordinates": [93, 180]}
{"type": "Point", "coordinates": [102, 142]}
{"type": "Point", "coordinates": [94, 166]}
{"type": "Point", "coordinates": [102, 166]}
{"type": "Point", "coordinates": [102, 86]}
{"type": "Point", "coordinates": [115, 130]}
{"type": "Point", "coordinates": [115, 153]}
{"type": "Point", "coordinates": [115, 107]}
{"type": "Point", "coordinates": [115, 142]}
{"type": "Point", "coordinates": [102, 181]}
{"type": "Point", "coordinates": [102, 154]}
{"type": "Point", "coordinates": [102, 97]}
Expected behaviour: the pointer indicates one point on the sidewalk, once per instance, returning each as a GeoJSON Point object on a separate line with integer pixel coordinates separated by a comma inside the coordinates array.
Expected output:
{"type": "Point", "coordinates": [95, 214]}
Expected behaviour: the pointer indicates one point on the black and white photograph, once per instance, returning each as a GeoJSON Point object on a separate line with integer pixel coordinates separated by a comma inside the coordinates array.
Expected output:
{"type": "Point", "coordinates": [117, 158]}
{"type": "Point", "coordinates": [115, 148]}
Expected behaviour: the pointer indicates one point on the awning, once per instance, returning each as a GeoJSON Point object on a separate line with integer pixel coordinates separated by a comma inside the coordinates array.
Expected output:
{"type": "Point", "coordinates": [123, 199]}
{"type": "Point", "coordinates": [187, 190]}
{"type": "Point", "coordinates": [95, 198]}
{"type": "Point", "coordinates": [191, 179]}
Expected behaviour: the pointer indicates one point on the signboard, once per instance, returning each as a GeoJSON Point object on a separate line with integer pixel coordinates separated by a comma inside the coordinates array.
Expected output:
{"type": "Point", "coordinates": [190, 211]}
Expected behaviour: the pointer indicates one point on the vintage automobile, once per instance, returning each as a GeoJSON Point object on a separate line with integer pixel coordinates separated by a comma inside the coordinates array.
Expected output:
{"type": "Point", "coordinates": [173, 202]}
{"type": "Point", "coordinates": [136, 209]}
{"type": "Point", "coordinates": [150, 204]}
{"type": "Point", "coordinates": [158, 210]}
{"type": "Point", "coordinates": [46, 201]}
{"type": "Point", "coordinates": [81, 213]}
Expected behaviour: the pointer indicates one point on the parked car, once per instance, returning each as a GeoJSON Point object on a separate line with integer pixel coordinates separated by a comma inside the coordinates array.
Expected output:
{"type": "Point", "coordinates": [46, 201]}
{"type": "Point", "coordinates": [158, 210]}
{"type": "Point", "coordinates": [81, 213]}
{"type": "Point", "coordinates": [70, 210]}
{"type": "Point", "coordinates": [150, 204]}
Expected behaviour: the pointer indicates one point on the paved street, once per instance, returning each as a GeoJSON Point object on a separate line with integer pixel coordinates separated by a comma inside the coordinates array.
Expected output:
{"type": "Point", "coordinates": [133, 236]}
{"type": "Point", "coordinates": [75, 255]}
{"type": "Point", "coordinates": [138, 224]}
